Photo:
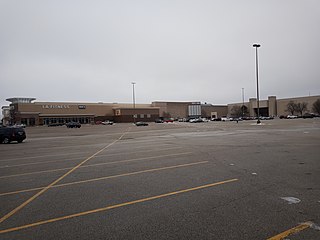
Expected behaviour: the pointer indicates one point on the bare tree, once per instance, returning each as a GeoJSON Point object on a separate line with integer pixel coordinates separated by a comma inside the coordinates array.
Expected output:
{"type": "Point", "coordinates": [236, 111]}
{"type": "Point", "coordinates": [316, 106]}
{"type": "Point", "coordinates": [301, 107]}
{"type": "Point", "coordinates": [291, 107]}
{"type": "Point", "coordinates": [166, 115]}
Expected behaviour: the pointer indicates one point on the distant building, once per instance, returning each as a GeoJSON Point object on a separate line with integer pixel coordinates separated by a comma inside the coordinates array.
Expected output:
{"type": "Point", "coordinates": [213, 111]}
{"type": "Point", "coordinates": [272, 106]}
{"type": "Point", "coordinates": [31, 113]}
{"type": "Point", "coordinates": [25, 111]}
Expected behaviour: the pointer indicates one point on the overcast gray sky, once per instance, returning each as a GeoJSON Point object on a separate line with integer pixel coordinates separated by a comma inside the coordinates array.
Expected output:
{"type": "Point", "coordinates": [175, 50]}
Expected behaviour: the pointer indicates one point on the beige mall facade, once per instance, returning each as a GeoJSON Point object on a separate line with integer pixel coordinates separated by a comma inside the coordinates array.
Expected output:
{"type": "Point", "coordinates": [31, 113]}
{"type": "Point", "coordinates": [273, 106]}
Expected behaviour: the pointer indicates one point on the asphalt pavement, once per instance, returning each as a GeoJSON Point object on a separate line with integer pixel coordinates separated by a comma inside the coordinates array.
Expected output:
{"type": "Point", "coordinates": [213, 180]}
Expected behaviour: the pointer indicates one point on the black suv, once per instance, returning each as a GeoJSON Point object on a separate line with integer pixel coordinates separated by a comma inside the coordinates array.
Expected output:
{"type": "Point", "coordinates": [9, 134]}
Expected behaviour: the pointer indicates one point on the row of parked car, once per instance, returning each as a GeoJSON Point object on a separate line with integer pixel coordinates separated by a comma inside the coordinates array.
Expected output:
{"type": "Point", "coordinates": [69, 124]}
{"type": "Point", "coordinates": [306, 115]}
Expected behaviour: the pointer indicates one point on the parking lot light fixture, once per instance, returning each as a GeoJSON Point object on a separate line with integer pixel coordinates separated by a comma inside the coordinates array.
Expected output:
{"type": "Point", "coordinates": [257, 74]}
{"type": "Point", "coordinates": [134, 101]}
{"type": "Point", "coordinates": [242, 102]}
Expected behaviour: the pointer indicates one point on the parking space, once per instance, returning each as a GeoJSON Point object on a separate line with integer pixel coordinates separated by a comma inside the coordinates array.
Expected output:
{"type": "Point", "coordinates": [215, 180]}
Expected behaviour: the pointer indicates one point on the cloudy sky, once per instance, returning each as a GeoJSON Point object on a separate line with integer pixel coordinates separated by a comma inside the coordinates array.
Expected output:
{"type": "Point", "coordinates": [175, 50]}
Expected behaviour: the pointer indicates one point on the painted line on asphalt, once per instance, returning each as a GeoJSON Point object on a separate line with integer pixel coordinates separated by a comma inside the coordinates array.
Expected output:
{"type": "Point", "coordinates": [97, 164]}
{"type": "Point", "coordinates": [8, 215]}
{"type": "Point", "coordinates": [87, 152]}
{"type": "Point", "coordinates": [291, 231]}
{"type": "Point", "coordinates": [107, 177]}
{"type": "Point", "coordinates": [105, 155]}
{"type": "Point", "coordinates": [41, 156]}
{"type": "Point", "coordinates": [115, 206]}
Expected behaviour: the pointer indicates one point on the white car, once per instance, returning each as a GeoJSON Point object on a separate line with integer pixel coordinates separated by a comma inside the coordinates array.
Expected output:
{"type": "Point", "coordinates": [107, 123]}
{"type": "Point", "coordinates": [226, 119]}
{"type": "Point", "coordinates": [291, 117]}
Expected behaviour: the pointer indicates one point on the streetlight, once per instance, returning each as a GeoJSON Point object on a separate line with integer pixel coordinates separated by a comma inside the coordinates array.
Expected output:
{"type": "Point", "coordinates": [134, 102]}
{"type": "Point", "coordinates": [257, 46]}
{"type": "Point", "coordinates": [242, 102]}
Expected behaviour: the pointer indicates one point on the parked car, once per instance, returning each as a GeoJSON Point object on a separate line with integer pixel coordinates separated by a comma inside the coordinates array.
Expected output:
{"type": "Point", "coordinates": [20, 125]}
{"type": "Point", "coordinates": [158, 120]}
{"type": "Point", "coordinates": [73, 125]}
{"type": "Point", "coordinates": [196, 120]}
{"type": "Point", "coordinates": [9, 134]}
{"type": "Point", "coordinates": [226, 119]}
{"type": "Point", "coordinates": [169, 120]}
{"type": "Point", "coordinates": [291, 116]}
{"type": "Point", "coordinates": [266, 118]}
{"type": "Point", "coordinates": [308, 115]}
{"type": "Point", "coordinates": [141, 124]}
{"type": "Point", "coordinates": [107, 122]}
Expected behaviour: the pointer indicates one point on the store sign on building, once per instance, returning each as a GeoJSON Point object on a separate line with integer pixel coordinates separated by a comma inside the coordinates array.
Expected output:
{"type": "Point", "coordinates": [48, 106]}
{"type": "Point", "coordinates": [82, 106]}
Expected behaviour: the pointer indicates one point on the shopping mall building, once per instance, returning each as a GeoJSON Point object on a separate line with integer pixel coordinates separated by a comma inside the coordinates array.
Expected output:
{"type": "Point", "coordinates": [32, 113]}
{"type": "Point", "coordinates": [272, 106]}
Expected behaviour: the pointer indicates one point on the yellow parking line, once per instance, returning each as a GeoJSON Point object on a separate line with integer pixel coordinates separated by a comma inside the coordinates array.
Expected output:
{"type": "Point", "coordinates": [8, 215]}
{"type": "Point", "coordinates": [107, 177]}
{"type": "Point", "coordinates": [296, 229]}
{"type": "Point", "coordinates": [97, 164]}
{"type": "Point", "coordinates": [115, 206]}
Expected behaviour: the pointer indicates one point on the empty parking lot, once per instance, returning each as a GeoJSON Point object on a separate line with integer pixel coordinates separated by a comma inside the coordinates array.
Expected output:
{"type": "Point", "coordinates": [215, 180]}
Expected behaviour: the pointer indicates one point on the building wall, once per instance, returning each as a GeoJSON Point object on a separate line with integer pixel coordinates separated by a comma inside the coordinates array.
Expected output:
{"type": "Point", "coordinates": [207, 109]}
{"type": "Point", "coordinates": [282, 104]}
{"type": "Point", "coordinates": [230, 108]}
{"type": "Point", "coordinates": [96, 109]}
{"type": "Point", "coordinates": [174, 109]}
{"type": "Point", "coordinates": [141, 114]}
{"type": "Point", "coordinates": [39, 113]}
{"type": "Point", "coordinates": [274, 106]}
{"type": "Point", "coordinates": [178, 110]}
{"type": "Point", "coordinates": [162, 107]}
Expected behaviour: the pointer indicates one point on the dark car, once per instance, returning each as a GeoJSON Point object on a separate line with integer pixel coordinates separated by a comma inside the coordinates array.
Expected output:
{"type": "Point", "coordinates": [158, 120]}
{"type": "Point", "coordinates": [141, 124]}
{"type": "Point", "coordinates": [73, 125]}
{"type": "Point", "coordinates": [308, 115]}
{"type": "Point", "coordinates": [9, 134]}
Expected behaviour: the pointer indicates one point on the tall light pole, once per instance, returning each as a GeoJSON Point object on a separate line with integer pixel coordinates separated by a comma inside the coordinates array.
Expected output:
{"type": "Point", "coordinates": [134, 102]}
{"type": "Point", "coordinates": [242, 102]}
{"type": "Point", "coordinates": [258, 112]}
